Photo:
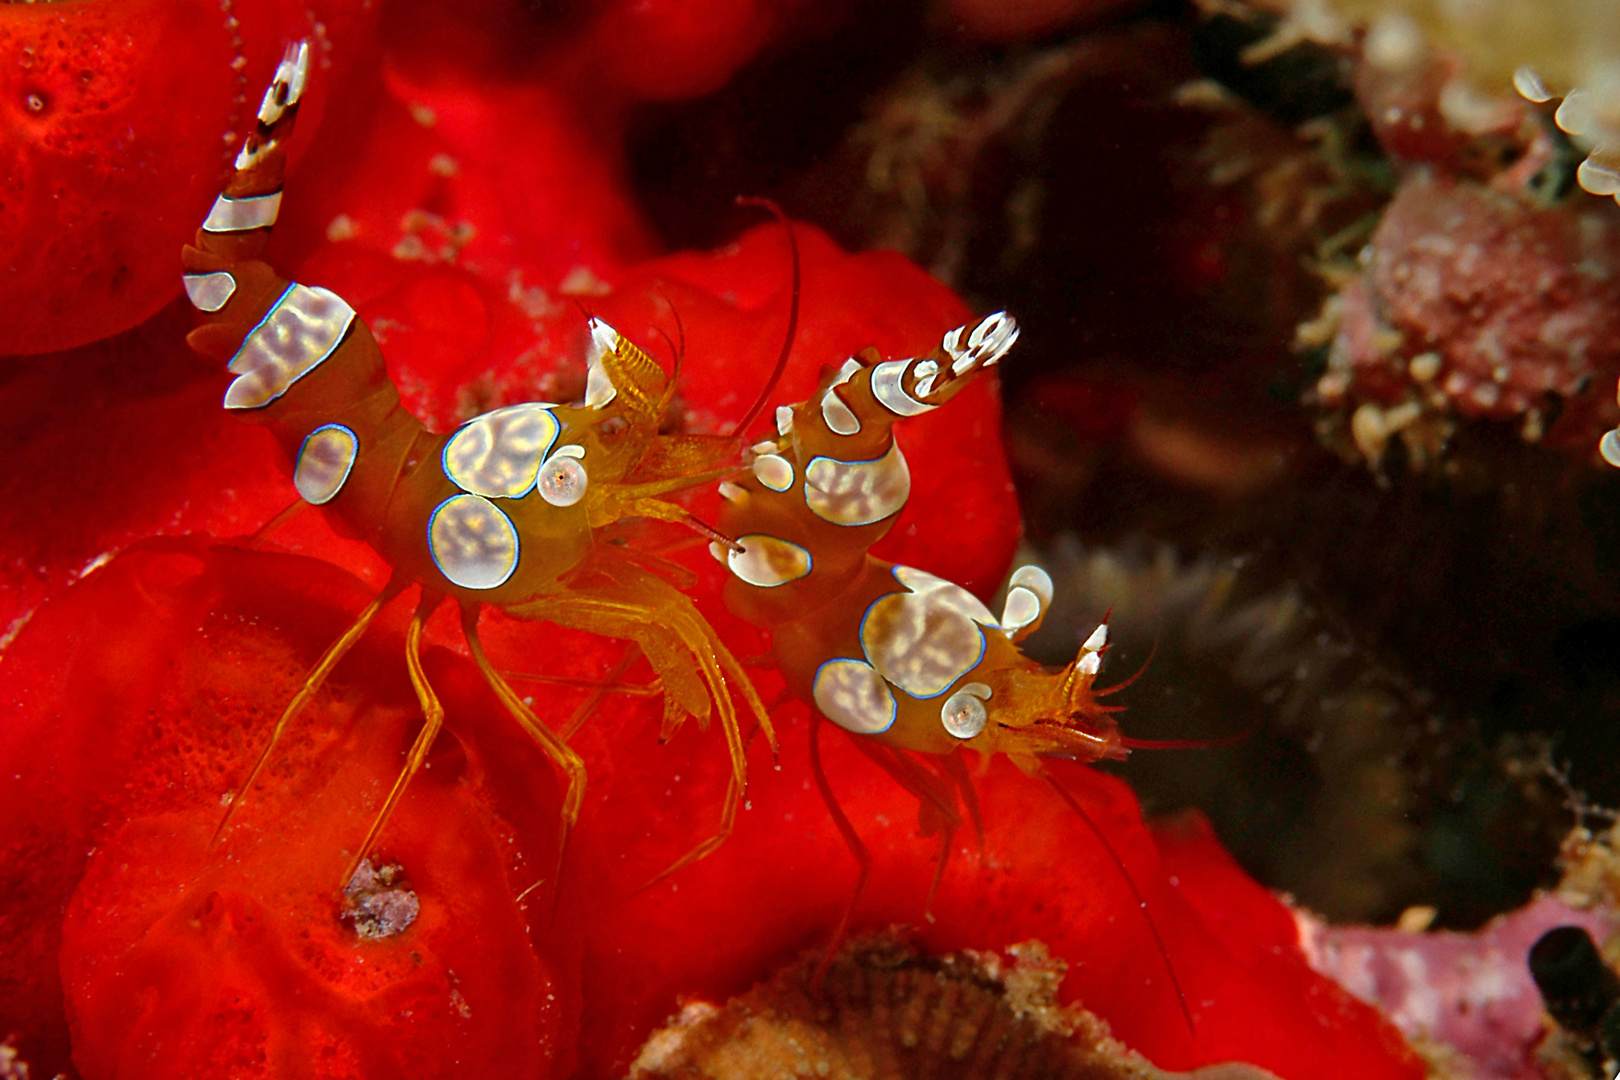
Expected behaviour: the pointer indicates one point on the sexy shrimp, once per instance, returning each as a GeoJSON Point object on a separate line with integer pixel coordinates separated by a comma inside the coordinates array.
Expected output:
{"type": "Point", "coordinates": [891, 652]}
{"type": "Point", "coordinates": [510, 510]}
{"type": "Point", "coordinates": [903, 660]}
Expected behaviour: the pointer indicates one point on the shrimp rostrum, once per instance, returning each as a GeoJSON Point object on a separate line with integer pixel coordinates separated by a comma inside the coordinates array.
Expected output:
{"type": "Point", "coordinates": [511, 510]}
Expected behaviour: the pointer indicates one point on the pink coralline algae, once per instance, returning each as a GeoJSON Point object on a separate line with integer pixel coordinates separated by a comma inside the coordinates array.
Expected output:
{"type": "Point", "coordinates": [1478, 304]}
{"type": "Point", "coordinates": [1470, 992]}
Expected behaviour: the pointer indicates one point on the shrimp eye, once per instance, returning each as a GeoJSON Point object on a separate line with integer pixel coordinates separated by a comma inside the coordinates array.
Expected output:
{"type": "Point", "coordinates": [562, 481]}
{"type": "Point", "coordinates": [963, 713]}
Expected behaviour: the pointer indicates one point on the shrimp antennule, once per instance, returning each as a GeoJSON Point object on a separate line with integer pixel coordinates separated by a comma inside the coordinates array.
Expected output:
{"type": "Point", "coordinates": [769, 388]}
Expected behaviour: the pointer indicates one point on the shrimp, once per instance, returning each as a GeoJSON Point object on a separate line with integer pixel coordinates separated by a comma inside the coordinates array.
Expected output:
{"type": "Point", "coordinates": [891, 652]}
{"type": "Point", "coordinates": [511, 510]}
{"type": "Point", "coordinates": [904, 661]}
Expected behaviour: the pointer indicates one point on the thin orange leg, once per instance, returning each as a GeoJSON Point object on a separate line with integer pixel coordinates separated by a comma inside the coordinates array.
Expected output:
{"type": "Point", "coordinates": [852, 840]}
{"type": "Point", "coordinates": [600, 690]}
{"type": "Point", "coordinates": [312, 683]}
{"type": "Point", "coordinates": [567, 760]}
{"type": "Point", "coordinates": [734, 794]}
{"type": "Point", "coordinates": [292, 510]}
{"type": "Point", "coordinates": [928, 791]}
{"type": "Point", "coordinates": [695, 668]}
{"type": "Point", "coordinates": [955, 771]}
{"type": "Point", "coordinates": [728, 822]}
{"type": "Point", "coordinates": [432, 720]}
{"type": "Point", "coordinates": [600, 687]}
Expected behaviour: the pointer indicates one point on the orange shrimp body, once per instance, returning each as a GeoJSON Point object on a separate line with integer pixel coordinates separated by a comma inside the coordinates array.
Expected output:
{"type": "Point", "coordinates": [901, 659]}
{"type": "Point", "coordinates": [509, 510]}
{"type": "Point", "coordinates": [887, 651]}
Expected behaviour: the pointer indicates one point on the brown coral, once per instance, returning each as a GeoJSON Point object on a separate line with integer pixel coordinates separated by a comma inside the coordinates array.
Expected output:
{"type": "Point", "coordinates": [886, 1010]}
{"type": "Point", "coordinates": [1476, 303]}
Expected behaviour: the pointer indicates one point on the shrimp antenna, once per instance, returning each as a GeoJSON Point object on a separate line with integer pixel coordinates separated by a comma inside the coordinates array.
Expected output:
{"type": "Point", "coordinates": [1117, 687]}
{"type": "Point", "coordinates": [710, 533]}
{"type": "Point", "coordinates": [677, 345]}
{"type": "Point", "coordinates": [1141, 901]}
{"type": "Point", "coordinates": [1190, 744]}
{"type": "Point", "coordinates": [680, 336]}
{"type": "Point", "coordinates": [793, 315]}
{"type": "Point", "coordinates": [1170, 744]}
{"type": "Point", "coordinates": [673, 352]}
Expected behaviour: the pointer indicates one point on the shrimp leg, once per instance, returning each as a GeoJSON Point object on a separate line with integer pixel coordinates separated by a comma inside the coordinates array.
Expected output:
{"type": "Point", "coordinates": [598, 688]}
{"type": "Point", "coordinates": [852, 840]}
{"type": "Point", "coordinates": [728, 823]}
{"type": "Point", "coordinates": [601, 690]}
{"type": "Point", "coordinates": [927, 790]}
{"type": "Point", "coordinates": [561, 754]}
{"type": "Point", "coordinates": [955, 771]}
{"type": "Point", "coordinates": [312, 683]}
{"type": "Point", "coordinates": [685, 652]}
{"type": "Point", "coordinates": [432, 721]}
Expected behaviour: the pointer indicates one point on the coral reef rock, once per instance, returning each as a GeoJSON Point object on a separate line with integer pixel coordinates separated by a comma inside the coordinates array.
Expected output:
{"type": "Point", "coordinates": [886, 1010]}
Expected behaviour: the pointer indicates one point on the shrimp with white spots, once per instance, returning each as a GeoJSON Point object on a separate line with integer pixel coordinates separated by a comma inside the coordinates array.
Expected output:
{"type": "Point", "coordinates": [512, 510]}
{"type": "Point", "coordinates": [907, 663]}
{"type": "Point", "coordinates": [891, 652]}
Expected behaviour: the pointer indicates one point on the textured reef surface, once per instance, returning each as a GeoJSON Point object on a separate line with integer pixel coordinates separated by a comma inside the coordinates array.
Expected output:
{"type": "Point", "coordinates": [1320, 337]}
